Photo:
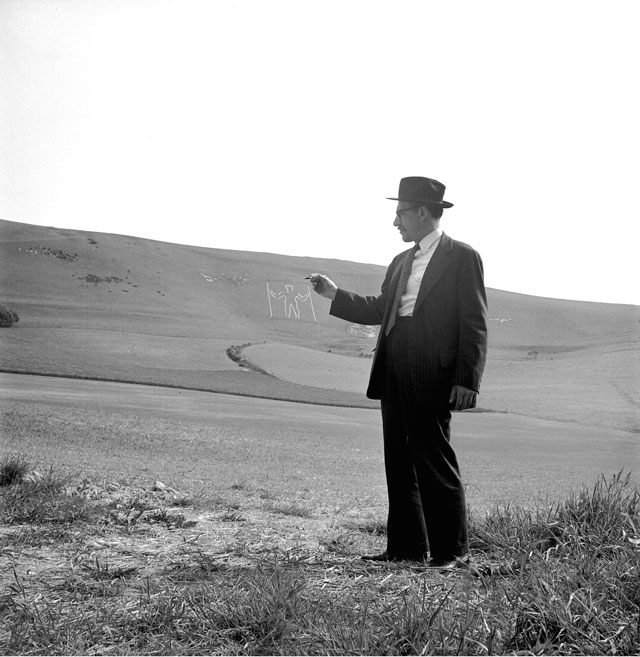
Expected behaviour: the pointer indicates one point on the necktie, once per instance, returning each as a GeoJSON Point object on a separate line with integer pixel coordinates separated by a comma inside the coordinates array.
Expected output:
{"type": "Point", "coordinates": [402, 284]}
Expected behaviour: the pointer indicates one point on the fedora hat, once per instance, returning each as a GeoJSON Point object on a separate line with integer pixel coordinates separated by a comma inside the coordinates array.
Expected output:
{"type": "Point", "coordinates": [421, 191]}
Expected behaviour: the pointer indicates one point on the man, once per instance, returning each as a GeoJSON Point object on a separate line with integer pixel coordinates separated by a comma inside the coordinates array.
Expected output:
{"type": "Point", "coordinates": [429, 360]}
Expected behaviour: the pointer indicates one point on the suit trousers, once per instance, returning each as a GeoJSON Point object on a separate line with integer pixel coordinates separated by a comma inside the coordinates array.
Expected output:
{"type": "Point", "coordinates": [427, 508]}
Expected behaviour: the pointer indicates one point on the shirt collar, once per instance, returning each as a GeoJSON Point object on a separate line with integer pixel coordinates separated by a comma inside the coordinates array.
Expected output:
{"type": "Point", "coordinates": [429, 240]}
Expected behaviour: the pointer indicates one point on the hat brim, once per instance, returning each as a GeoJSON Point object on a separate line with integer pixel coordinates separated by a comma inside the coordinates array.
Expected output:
{"type": "Point", "coordinates": [438, 204]}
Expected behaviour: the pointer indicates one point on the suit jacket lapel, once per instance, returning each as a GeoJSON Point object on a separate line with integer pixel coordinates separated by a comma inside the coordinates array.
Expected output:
{"type": "Point", "coordinates": [393, 284]}
{"type": "Point", "coordinates": [437, 265]}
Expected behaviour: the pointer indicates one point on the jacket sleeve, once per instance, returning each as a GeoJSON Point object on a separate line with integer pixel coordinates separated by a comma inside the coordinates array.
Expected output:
{"type": "Point", "coordinates": [472, 314]}
{"type": "Point", "coordinates": [368, 310]}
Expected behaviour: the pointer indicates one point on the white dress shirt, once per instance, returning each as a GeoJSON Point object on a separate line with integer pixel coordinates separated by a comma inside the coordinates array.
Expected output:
{"type": "Point", "coordinates": [421, 259]}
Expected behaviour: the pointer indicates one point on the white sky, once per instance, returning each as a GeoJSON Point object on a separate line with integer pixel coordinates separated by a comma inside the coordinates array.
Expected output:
{"type": "Point", "coordinates": [281, 126]}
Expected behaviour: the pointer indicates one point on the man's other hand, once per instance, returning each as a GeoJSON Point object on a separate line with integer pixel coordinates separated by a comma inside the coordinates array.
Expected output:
{"type": "Point", "coordinates": [462, 398]}
{"type": "Point", "coordinates": [323, 285]}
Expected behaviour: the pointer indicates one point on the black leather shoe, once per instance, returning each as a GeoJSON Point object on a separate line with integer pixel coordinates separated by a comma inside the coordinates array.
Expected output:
{"type": "Point", "coordinates": [385, 556]}
{"type": "Point", "coordinates": [449, 564]}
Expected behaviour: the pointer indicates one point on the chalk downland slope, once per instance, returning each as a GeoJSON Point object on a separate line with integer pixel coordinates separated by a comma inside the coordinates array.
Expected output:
{"type": "Point", "coordinates": [117, 307]}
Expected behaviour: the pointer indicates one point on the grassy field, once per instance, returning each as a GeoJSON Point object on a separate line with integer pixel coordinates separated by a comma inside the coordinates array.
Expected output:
{"type": "Point", "coordinates": [329, 455]}
{"type": "Point", "coordinates": [122, 308]}
{"type": "Point", "coordinates": [164, 519]}
{"type": "Point", "coordinates": [178, 522]}
{"type": "Point", "coordinates": [110, 567]}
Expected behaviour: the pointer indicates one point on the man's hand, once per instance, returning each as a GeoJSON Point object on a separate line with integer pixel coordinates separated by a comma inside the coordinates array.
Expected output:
{"type": "Point", "coordinates": [323, 285]}
{"type": "Point", "coordinates": [462, 398]}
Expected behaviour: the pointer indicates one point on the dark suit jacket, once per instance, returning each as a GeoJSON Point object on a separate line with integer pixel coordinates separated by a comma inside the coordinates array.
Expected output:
{"type": "Point", "coordinates": [450, 318]}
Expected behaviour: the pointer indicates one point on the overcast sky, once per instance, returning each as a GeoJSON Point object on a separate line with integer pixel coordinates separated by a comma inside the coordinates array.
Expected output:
{"type": "Point", "coordinates": [281, 126]}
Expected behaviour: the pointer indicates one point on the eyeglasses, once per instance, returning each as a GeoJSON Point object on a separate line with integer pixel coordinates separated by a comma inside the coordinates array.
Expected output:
{"type": "Point", "coordinates": [399, 213]}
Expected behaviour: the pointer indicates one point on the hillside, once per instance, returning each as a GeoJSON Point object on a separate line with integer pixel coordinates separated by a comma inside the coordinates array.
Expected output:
{"type": "Point", "coordinates": [117, 307]}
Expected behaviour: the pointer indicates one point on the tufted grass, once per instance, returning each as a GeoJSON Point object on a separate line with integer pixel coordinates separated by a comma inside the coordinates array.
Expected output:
{"type": "Point", "coordinates": [561, 578]}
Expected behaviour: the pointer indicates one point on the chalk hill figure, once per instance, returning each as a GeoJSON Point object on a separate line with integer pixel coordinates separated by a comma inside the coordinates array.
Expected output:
{"type": "Point", "coordinates": [290, 301]}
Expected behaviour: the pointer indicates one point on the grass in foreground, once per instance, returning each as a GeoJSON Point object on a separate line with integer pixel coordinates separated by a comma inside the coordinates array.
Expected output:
{"type": "Point", "coordinates": [13, 468]}
{"type": "Point", "coordinates": [560, 579]}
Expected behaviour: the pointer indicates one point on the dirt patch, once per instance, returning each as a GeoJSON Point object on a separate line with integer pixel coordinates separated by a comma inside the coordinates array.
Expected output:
{"type": "Point", "coordinates": [152, 531]}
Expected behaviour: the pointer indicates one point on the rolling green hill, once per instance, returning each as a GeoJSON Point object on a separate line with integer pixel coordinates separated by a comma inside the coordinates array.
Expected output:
{"type": "Point", "coordinates": [106, 306]}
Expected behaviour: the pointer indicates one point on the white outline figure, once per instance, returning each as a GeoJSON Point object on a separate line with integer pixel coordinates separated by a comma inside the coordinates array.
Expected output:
{"type": "Point", "coordinates": [291, 300]}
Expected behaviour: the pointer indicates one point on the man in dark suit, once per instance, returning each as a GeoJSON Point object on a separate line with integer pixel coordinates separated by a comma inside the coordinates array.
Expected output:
{"type": "Point", "coordinates": [429, 360]}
